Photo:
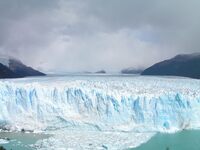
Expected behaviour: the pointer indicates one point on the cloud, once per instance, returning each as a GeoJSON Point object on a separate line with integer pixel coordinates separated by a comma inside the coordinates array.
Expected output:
{"type": "Point", "coordinates": [76, 35]}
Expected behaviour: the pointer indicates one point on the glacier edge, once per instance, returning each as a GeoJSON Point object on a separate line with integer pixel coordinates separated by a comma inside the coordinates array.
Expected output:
{"type": "Point", "coordinates": [140, 104]}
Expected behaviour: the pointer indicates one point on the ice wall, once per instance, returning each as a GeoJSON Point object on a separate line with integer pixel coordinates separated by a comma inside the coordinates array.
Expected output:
{"type": "Point", "coordinates": [119, 104]}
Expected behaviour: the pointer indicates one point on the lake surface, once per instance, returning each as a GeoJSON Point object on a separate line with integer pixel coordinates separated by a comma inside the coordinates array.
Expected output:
{"type": "Point", "coordinates": [185, 140]}
{"type": "Point", "coordinates": [19, 140]}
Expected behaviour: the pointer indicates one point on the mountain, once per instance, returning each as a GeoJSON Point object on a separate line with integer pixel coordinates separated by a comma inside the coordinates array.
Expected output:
{"type": "Point", "coordinates": [186, 65]}
{"type": "Point", "coordinates": [5, 72]}
{"type": "Point", "coordinates": [131, 71]}
{"type": "Point", "coordinates": [13, 68]}
{"type": "Point", "coordinates": [101, 72]}
{"type": "Point", "coordinates": [22, 70]}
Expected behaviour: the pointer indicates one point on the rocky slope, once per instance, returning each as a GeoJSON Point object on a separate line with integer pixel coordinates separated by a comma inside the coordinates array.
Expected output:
{"type": "Point", "coordinates": [12, 68]}
{"type": "Point", "coordinates": [187, 65]}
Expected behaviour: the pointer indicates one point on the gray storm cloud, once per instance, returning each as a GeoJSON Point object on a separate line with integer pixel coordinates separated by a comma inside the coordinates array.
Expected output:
{"type": "Point", "coordinates": [88, 35]}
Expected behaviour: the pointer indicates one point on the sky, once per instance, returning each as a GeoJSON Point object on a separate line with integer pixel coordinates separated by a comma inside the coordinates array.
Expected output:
{"type": "Point", "coordinates": [90, 35]}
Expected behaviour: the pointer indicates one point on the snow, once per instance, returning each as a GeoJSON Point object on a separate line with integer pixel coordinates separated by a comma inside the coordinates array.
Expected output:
{"type": "Point", "coordinates": [100, 106]}
{"type": "Point", "coordinates": [4, 60]}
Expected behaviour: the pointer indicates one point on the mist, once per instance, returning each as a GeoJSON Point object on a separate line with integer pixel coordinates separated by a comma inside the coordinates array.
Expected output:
{"type": "Point", "coordinates": [90, 35]}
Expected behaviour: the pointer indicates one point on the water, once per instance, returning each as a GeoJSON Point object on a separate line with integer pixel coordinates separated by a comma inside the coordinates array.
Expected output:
{"type": "Point", "coordinates": [19, 140]}
{"type": "Point", "coordinates": [184, 140]}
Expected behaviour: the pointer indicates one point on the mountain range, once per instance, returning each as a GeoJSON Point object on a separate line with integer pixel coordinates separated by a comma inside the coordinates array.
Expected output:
{"type": "Point", "coordinates": [186, 65]}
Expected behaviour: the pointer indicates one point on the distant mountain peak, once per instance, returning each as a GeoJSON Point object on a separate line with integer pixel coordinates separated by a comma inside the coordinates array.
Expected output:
{"type": "Point", "coordinates": [132, 70]}
{"type": "Point", "coordinates": [101, 72]}
{"type": "Point", "coordinates": [6, 59]}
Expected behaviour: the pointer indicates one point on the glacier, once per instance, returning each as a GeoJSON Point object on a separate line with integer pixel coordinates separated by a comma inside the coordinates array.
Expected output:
{"type": "Point", "coordinates": [100, 104]}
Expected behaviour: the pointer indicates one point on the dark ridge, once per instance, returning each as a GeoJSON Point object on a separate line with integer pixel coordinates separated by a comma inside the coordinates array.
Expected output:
{"type": "Point", "coordinates": [101, 71]}
{"type": "Point", "coordinates": [22, 70]}
{"type": "Point", "coordinates": [187, 65]}
{"type": "Point", "coordinates": [17, 69]}
{"type": "Point", "coordinates": [6, 72]}
{"type": "Point", "coordinates": [131, 71]}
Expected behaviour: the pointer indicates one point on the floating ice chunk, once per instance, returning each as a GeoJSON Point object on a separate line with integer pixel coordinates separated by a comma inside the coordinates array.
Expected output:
{"type": "Point", "coordinates": [3, 141]}
{"type": "Point", "coordinates": [93, 140]}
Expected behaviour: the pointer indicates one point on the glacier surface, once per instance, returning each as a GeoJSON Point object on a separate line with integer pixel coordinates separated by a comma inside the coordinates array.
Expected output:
{"type": "Point", "coordinates": [100, 104]}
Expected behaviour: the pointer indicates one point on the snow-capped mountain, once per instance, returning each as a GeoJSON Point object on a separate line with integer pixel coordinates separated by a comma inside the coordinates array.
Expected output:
{"type": "Point", "coordinates": [13, 68]}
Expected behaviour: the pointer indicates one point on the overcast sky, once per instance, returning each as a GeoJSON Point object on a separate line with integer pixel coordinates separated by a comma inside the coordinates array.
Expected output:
{"type": "Point", "coordinates": [89, 35]}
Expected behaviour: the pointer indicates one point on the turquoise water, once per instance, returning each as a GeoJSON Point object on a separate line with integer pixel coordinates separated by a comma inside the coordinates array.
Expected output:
{"type": "Point", "coordinates": [185, 140]}
{"type": "Point", "coordinates": [20, 141]}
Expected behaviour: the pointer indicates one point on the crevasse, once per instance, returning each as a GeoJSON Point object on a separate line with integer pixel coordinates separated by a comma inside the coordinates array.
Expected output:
{"type": "Point", "coordinates": [103, 104]}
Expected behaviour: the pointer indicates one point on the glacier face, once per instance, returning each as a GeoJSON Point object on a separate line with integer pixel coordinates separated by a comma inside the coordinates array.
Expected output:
{"type": "Point", "coordinates": [100, 103]}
